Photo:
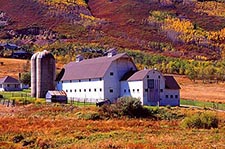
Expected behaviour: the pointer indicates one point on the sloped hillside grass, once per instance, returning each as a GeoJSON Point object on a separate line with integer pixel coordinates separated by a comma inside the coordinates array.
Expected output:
{"type": "Point", "coordinates": [66, 2]}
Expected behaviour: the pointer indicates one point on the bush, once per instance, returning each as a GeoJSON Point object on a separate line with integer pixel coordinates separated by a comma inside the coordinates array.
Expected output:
{"type": "Point", "coordinates": [125, 106]}
{"type": "Point", "coordinates": [201, 120]}
{"type": "Point", "coordinates": [88, 116]}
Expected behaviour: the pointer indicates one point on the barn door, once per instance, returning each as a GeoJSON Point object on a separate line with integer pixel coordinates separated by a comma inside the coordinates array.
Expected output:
{"type": "Point", "coordinates": [153, 91]}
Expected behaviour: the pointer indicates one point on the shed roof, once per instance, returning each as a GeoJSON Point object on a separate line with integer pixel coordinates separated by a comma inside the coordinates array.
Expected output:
{"type": "Point", "coordinates": [171, 83]}
{"type": "Point", "coordinates": [9, 79]}
{"type": "Point", "coordinates": [90, 68]}
{"type": "Point", "coordinates": [57, 93]}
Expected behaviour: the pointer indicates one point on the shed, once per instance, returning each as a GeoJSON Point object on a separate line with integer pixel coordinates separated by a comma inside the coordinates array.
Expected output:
{"type": "Point", "coordinates": [56, 96]}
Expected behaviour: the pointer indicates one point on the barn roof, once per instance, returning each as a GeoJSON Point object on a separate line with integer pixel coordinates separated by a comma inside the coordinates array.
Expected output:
{"type": "Point", "coordinates": [8, 79]}
{"type": "Point", "coordinates": [90, 68]}
{"type": "Point", "coordinates": [171, 83]}
{"type": "Point", "coordinates": [140, 75]}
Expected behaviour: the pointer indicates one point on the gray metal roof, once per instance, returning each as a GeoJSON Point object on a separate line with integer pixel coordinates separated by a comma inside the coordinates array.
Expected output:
{"type": "Point", "coordinates": [90, 68]}
{"type": "Point", "coordinates": [171, 83]}
{"type": "Point", "coordinates": [139, 75]}
{"type": "Point", "coordinates": [8, 79]}
{"type": "Point", "coordinates": [57, 93]}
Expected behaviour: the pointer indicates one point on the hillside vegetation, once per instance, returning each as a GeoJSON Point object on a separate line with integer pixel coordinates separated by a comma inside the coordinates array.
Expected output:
{"type": "Point", "coordinates": [184, 28]}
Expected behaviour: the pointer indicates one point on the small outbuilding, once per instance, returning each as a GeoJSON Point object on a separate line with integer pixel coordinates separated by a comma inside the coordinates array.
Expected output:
{"type": "Point", "coordinates": [56, 96]}
{"type": "Point", "coordinates": [9, 84]}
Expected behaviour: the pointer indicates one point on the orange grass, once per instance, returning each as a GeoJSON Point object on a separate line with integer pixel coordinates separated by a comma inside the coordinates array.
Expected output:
{"type": "Point", "coordinates": [212, 92]}
{"type": "Point", "coordinates": [59, 127]}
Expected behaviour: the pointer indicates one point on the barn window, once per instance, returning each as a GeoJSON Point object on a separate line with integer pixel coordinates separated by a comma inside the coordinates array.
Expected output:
{"type": "Point", "coordinates": [151, 83]}
{"type": "Point", "coordinates": [100, 89]}
{"type": "Point", "coordinates": [133, 90]}
{"type": "Point", "coordinates": [171, 96]}
{"type": "Point", "coordinates": [147, 76]}
{"type": "Point", "coordinates": [80, 90]}
{"type": "Point", "coordinates": [111, 74]}
{"type": "Point", "coordinates": [84, 90]}
{"type": "Point", "coordinates": [62, 81]}
{"type": "Point", "coordinates": [70, 90]}
{"type": "Point", "coordinates": [95, 89]}
{"type": "Point", "coordinates": [159, 77]}
{"type": "Point", "coordinates": [129, 90]}
{"type": "Point", "coordinates": [167, 96]}
{"type": "Point", "coordinates": [89, 79]}
{"type": "Point", "coordinates": [146, 90]}
{"type": "Point", "coordinates": [89, 90]}
{"type": "Point", "coordinates": [137, 90]}
{"type": "Point", "coordinates": [100, 79]}
{"type": "Point", "coordinates": [66, 90]}
{"type": "Point", "coordinates": [79, 80]}
{"type": "Point", "coordinates": [75, 90]}
{"type": "Point", "coordinates": [124, 90]}
{"type": "Point", "coordinates": [161, 90]}
{"type": "Point", "coordinates": [176, 96]}
{"type": "Point", "coordinates": [111, 90]}
{"type": "Point", "coordinates": [70, 81]}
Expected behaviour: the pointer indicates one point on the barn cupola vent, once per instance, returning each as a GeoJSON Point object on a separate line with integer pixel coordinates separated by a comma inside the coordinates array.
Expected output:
{"type": "Point", "coordinates": [111, 52]}
{"type": "Point", "coordinates": [79, 58]}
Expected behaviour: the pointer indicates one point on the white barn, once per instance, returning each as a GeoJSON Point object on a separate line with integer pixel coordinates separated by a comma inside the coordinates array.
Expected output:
{"type": "Point", "coordinates": [114, 76]}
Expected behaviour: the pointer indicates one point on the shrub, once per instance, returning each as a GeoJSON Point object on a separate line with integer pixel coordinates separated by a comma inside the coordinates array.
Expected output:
{"type": "Point", "coordinates": [205, 120]}
{"type": "Point", "coordinates": [125, 106]}
{"type": "Point", "coordinates": [88, 116]}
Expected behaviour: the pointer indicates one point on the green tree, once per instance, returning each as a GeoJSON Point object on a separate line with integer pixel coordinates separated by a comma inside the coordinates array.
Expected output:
{"type": "Point", "coordinates": [26, 78]}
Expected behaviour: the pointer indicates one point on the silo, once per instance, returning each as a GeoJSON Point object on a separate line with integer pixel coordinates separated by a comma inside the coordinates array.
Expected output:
{"type": "Point", "coordinates": [45, 72]}
{"type": "Point", "coordinates": [33, 75]}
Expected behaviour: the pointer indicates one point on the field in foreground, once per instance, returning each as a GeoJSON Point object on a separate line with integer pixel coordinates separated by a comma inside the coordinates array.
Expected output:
{"type": "Point", "coordinates": [54, 126]}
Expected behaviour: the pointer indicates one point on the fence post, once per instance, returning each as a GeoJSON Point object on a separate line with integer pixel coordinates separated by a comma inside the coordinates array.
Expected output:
{"type": "Point", "coordinates": [13, 103]}
{"type": "Point", "coordinates": [8, 103]}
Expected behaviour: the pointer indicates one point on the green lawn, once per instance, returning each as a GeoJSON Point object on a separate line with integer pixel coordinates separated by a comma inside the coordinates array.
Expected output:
{"type": "Point", "coordinates": [204, 104]}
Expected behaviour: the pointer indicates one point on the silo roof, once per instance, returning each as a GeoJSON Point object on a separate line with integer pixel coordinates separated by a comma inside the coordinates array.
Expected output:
{"type": "Point", "coordinates": [45, 54]}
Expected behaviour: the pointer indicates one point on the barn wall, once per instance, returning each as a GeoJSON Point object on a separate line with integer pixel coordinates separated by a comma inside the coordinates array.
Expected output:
{"type": "Point", "coordinates": [112, 82]}
{"type": "Point", "coordinates": [80, 90]}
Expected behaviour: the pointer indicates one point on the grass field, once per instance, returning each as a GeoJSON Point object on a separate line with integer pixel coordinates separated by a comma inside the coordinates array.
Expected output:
{"type": "Point", "coordinates": [203, 104]}
{"type": "Point", "coordinates": [12, 67]}
{"type": "Point", "coordinates": [54, 126]}
{"type": "Point", "coordinates": [199, 91]}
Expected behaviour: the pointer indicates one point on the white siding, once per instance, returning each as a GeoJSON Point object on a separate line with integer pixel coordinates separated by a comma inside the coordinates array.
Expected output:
{"type": "Point", "coordinates": [171, 97]}
{"type": "Point", "coordinates": [79, 89]}
{"type": "Point", "coordinates": [112, 82]}
{"type": "Point", "coordinates": [133, 89]}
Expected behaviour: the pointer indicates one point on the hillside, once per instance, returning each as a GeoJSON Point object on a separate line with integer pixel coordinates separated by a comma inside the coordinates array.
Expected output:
{"type": "Point", "coordinates": [183, 28]}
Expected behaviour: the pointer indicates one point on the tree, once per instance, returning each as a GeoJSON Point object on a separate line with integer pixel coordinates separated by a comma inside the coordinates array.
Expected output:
{"type": "Point", "coordinates": [26, 78]}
